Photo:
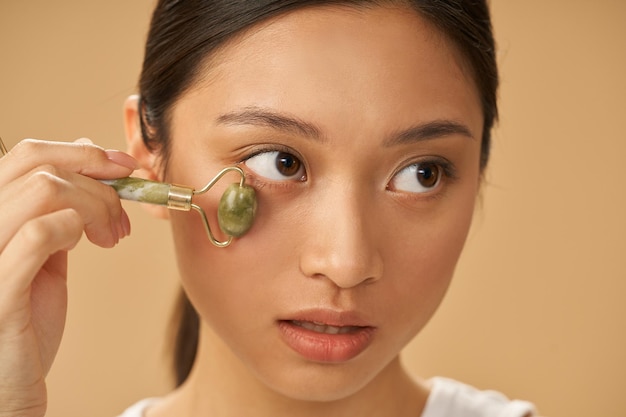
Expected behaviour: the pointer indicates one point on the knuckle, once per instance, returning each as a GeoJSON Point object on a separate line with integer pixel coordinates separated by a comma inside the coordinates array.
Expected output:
{"type": "Point", "coordinates": [51, 231]}
{"type": "Point", "coordinates": [25, 148]}
{"type": "Point", "coordinates": [91, 155]}
{"type": "Point", "coordinates": [45, 181]}
{"type": "Point", "coordinates": [48, 169]}
{"type": "Point", "coordinates": [70, 220]}
{"type": "Point", "coordinates": [35, 233]}
{"type": "Point", "coordinates": [28, 148]}
{"type": "Point", "coordinates": [89, 150]}
{"type": "Point", "coordinates": [86, 149]}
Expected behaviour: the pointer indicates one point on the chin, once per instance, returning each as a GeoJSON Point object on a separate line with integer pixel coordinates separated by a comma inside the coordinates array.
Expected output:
{"type": "Point", "coordinates": [321, 383]}
{"type": "Point", "coordinates": [323, 390]}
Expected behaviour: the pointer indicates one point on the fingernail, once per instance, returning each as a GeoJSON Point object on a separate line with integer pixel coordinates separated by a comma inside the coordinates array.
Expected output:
{"type": "Point", "coordinates": [125, 223]}
{"type": "Point", "coordinates": [122, 158]}
{"type": "Point", "coordinates": [115, 233]}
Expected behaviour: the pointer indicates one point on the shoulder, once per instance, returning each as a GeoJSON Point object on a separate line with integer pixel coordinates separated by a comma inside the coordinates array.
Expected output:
{"type": "Point", "coordinates": [139, 408]}
{"type": "Point", "coordinates": [451, 398]}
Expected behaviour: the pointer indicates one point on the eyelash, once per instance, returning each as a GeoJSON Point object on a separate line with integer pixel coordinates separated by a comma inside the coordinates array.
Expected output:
{"type": "Point", "coordinates": [448, 170]}
{"type": "Point", "coordinates": [260, 180]}
{"type": "Point", "coordinates": [446, 175]}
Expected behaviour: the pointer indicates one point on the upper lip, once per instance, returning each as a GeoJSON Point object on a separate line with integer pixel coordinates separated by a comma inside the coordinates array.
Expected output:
{"type": "Point", "coordinates": [330, 317]}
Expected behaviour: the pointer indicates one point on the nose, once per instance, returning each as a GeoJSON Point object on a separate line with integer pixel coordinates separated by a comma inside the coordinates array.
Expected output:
{"type": "Point", "coordinates": [342, 244]}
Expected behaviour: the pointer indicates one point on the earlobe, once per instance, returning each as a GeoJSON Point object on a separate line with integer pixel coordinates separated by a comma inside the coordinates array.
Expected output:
{"type": "Point", "coordinates": [148, 159]}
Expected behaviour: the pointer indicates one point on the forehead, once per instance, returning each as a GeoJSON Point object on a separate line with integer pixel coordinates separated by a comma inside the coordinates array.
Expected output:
{"type": "Point", "coordinates": [343, 57]}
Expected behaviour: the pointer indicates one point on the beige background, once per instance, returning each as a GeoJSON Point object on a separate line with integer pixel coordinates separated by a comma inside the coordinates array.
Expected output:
{"type": "Point", "coordinates": [537, 307]}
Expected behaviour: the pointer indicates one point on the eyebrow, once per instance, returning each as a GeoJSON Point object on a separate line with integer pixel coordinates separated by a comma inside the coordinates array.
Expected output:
{"type": "Point", "coordinates": [257, 116]}
{"type": "Point", "coordinates": [427, 131]}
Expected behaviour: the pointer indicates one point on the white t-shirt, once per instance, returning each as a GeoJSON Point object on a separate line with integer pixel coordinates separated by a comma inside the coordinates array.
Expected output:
{"type": "Point", "coordinates": [448, 398]}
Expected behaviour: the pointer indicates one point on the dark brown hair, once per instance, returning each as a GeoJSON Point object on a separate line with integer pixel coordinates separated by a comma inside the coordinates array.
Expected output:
{"type": "Point", "coordinates": [184, 33]}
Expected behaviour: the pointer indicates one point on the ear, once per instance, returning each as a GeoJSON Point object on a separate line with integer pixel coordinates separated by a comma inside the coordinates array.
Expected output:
{"type": "Point", "coordinates": [148, 159]}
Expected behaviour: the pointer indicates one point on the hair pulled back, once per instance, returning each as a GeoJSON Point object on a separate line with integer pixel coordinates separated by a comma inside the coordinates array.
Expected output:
{"type": "Point", "coordinates": [184, 33]}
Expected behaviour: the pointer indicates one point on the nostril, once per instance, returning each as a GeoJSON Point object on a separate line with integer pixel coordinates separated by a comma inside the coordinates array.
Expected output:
{"type": "Point", "coordinates": [342, 272]}
{"type": "Point", "coordinates": [341, 243]}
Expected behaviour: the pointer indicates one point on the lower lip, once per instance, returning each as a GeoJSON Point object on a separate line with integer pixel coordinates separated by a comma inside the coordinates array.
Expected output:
{"type": "Point", "coordinates": [322, 347]}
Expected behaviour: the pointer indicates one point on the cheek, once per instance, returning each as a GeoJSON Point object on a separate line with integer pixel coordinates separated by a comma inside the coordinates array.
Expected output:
{"type": "Point", "coordinates": [423, 260]}
{"type": "Point", "coordinates": [211, 276]}
{"type": "Point", "coordinates": [219, 281]}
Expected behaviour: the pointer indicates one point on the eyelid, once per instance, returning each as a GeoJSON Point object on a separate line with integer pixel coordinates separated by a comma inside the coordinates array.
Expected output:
{"type": "Point", "coordinates": [447, 166]}
{"type": "Point", "coordinates": [449, 173]}
{"type": "Point", "coordinates": [270, 147]}
{"type": "Point", "coordinates": [260, 149]}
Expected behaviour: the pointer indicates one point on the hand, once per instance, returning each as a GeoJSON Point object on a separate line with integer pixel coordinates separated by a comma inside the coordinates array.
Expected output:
{"type": "Point", "coordinates": [48, 197]}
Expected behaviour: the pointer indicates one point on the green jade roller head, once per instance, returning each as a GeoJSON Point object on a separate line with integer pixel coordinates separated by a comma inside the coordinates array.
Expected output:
{"type": "Point", "coordinates": [235, 212]}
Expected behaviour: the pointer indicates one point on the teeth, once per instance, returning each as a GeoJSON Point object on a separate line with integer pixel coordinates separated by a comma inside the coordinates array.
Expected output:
{"type": "Point", "coordinates": [324, 328]}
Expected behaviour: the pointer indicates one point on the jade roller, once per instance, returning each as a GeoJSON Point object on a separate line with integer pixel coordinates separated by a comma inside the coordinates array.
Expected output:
{"type": "Point", "coordinates": [235, 212]}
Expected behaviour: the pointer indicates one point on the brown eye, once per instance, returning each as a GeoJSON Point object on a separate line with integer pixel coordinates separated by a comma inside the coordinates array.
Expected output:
{"type": "Point", "coordinates": [428, 174]}
{"type": "Point", "coordinates": [287, 164]}
{"type": "Point", "coordinates": [418, 178]}
{"type": "Point", "coordinates": [277, 166]}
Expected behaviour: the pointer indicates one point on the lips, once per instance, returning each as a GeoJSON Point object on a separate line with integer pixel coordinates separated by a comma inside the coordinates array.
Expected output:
{"type": "Point", "coordinates": [326, 336]}
{"type": "Point", "coordinates": [325, 328]}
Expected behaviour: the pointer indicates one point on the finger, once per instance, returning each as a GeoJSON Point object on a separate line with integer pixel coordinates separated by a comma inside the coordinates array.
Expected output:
{"type": "Point", "coordinates": [80, 157]}
{"type": "Point", "coordinates": [49, 189]}
{"type": "Point", "coordinates": [30, 248]}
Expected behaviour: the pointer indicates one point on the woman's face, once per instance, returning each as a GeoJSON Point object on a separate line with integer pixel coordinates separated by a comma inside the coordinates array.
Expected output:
{"type": "Point", "coordinates": [360, 131]}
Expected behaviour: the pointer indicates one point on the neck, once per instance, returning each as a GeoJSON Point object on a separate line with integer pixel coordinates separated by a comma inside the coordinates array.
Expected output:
{"type": "Point", "coordinates": [220, 385]}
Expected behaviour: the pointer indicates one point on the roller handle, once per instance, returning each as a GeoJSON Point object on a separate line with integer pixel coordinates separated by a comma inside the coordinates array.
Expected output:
{"type": "Point", "coordinates": [152, 192]}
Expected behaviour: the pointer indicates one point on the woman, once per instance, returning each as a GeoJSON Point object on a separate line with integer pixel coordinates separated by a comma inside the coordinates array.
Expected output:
{"type": "Point", "coordinates": [364, 127]}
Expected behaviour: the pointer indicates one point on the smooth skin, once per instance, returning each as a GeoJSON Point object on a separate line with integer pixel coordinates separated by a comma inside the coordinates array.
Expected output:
{"type": "Point", "coordinates": [351, 230]}
{"type": "Point", "coordinates": [346, 94]}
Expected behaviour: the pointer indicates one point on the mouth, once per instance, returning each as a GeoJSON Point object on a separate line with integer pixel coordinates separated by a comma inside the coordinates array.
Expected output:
{"type": "Point", "coordinates": [326, 341]}
{"type": "Point", "coordinates": [325, 328]}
